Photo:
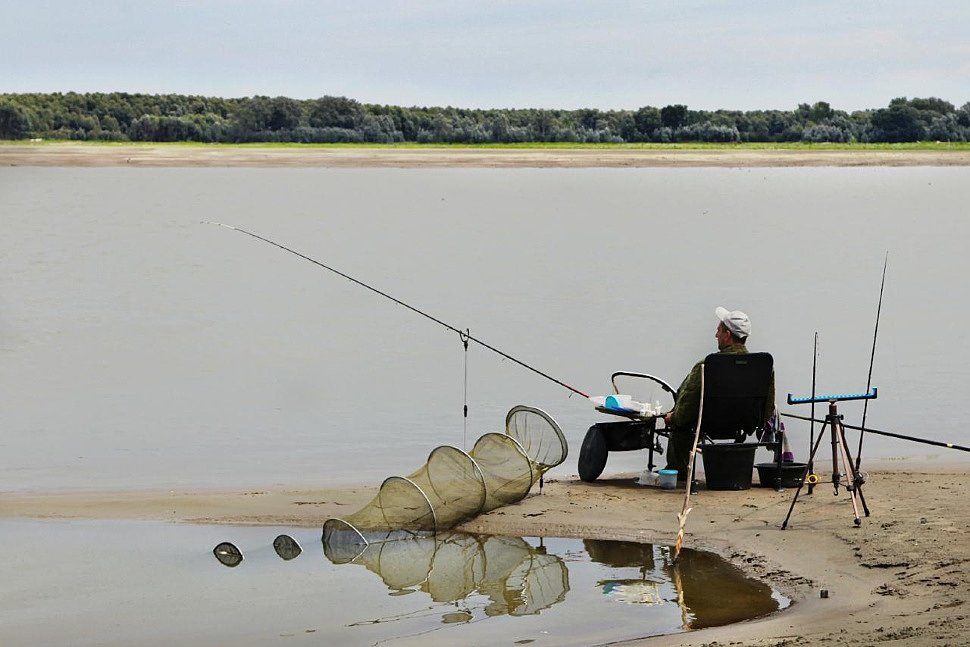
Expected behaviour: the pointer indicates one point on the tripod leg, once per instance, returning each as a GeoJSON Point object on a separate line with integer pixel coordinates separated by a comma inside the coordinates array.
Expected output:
{"type": "Point", "coordinates": [852, 472]}
{"type": "Point", "coordinates": [808, 470]}
{"type": "Point", "coordinates": [839, 432]}
{"type": "Point", "coordinates": [862, 499]}
{"type": "Point", "coordinates": [856, 478]}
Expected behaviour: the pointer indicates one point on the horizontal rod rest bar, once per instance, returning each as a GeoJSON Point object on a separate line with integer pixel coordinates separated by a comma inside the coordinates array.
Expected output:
{"type": "Point", "coordinates": [834, 398]}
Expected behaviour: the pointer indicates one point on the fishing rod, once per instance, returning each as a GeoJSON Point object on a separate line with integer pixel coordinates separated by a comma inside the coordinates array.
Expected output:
{"type": "Point", "coordinates": [872, 359]}
{"type": "Point", "coordinates": [914, 439]}
{"type": "Point", "coordinates": [462, 334]}
{"type": "Point", "coordinates": [811, 437]}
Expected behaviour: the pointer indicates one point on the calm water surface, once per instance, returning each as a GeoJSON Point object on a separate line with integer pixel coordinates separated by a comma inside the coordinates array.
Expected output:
{"type": "Point", "coordinates": [96, 583]}
{"type": "Point", "coordinates": [140, 348]}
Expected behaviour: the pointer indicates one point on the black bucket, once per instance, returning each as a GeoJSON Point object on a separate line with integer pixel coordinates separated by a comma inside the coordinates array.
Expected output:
{"type": "Point", "coordinates": [791, 474]}
{"type": "Point", "coordinates": [728, 466]}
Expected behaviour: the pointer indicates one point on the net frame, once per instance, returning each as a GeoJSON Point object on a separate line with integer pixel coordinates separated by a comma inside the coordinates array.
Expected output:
{"type": "Point", "coordinates": [546, 451]}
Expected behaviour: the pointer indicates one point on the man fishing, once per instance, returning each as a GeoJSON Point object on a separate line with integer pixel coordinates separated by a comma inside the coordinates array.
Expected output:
{"type": "Point", "coordinates": [731, 334]}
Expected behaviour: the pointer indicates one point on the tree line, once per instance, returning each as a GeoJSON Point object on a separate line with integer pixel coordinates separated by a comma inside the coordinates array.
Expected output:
{"type": "Point", "coordinates": [120, 116]}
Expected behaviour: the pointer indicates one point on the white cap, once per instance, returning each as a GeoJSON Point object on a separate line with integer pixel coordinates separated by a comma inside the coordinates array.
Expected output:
{"type": "Point", "coordinates": [735, 321]}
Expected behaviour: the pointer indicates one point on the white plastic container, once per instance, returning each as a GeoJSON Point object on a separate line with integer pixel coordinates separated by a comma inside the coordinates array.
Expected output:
{"type": "Point", "coordinates": [668, 479]}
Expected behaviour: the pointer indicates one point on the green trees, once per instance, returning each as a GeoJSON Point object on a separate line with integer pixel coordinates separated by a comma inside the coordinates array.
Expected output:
{"type": "Point", "coordinates": [647, 120]}
{"type": "Point", "coordinates": [335, 112]}
{"type": "Point", "coordinates": [673, 116]}
{"type": "Point", "coordinates": [900, 122]}
{"type": "Point", "coordinates": [263, 113]}
{"type": "Point", "coordinates": [163, 118]}
{"type": "Point", "coordinates": [907, 120]}
{"type": "Point", "coordinates": [14, 121]}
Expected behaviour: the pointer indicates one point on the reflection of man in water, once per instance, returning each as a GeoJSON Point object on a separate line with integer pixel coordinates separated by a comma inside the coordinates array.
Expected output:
{"type": "Point", "coordinates": [731, 334]}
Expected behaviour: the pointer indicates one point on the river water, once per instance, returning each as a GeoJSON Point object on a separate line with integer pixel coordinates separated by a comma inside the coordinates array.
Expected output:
{"type": "Point", "coordinates": [141, 348]}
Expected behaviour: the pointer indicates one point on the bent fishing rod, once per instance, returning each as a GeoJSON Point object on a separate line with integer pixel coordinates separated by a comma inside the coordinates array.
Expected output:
{"type": "Point", "coordinates": [914, 439]}
{"type": "Point", "coordinates": [464, 335]}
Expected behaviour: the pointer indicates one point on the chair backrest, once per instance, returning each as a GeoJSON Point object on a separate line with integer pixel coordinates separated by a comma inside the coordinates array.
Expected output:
{"type": "Point", "coordinates": [736, 390]}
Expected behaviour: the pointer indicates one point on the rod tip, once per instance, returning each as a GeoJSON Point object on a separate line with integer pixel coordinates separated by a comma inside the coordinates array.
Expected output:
{"type": "Point", "coordinates": [219, 224]}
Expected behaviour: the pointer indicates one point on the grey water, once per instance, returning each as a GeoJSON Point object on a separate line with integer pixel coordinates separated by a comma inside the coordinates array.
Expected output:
{"type": "Point", "coordinates": [142, 348]}
{"type": "Point", "coordinates": [147, 583]}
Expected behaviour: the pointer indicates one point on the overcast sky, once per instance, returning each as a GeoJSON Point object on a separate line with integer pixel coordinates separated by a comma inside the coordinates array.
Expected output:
{"type": "Point", "coordinates": [602, 54]}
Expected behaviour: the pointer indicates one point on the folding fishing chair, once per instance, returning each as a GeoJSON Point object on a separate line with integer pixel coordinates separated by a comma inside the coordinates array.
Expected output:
{"type": "Point", "coordinates": [736, 390]}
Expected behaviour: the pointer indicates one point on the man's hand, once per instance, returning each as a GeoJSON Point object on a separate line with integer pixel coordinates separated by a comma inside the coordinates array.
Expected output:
{"type": "Point", "coordinates": [668, 418]}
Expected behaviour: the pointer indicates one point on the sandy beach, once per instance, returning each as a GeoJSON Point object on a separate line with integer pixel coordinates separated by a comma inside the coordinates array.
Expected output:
{"type": "Point", "coordinates": [900, 578]}
{"type": "Point", "coordinates": [87, 155]}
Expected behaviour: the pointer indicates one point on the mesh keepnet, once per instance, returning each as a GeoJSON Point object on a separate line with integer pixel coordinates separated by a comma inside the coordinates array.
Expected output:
{"type": "Point", "coordinates": [453, 486]}
{"type": "Point", "coordinates": [506, 468]}
{"type": "Point", "coordinates": [453, 483]}
{"type": "Point", "coordinates": [400, 510]}
{"type": "Point", "coordinates": [539, 436]}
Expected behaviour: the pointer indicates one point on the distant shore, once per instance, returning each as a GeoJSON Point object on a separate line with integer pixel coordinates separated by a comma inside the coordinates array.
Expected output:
{"type": "Point", "coordinates": [215, 156]}
{"type": "Point", "coordinates": [901, 576]}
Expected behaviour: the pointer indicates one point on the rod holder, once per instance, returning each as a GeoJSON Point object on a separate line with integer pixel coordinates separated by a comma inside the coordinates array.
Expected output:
{"type": "Point", "coordinates": [834, 398]}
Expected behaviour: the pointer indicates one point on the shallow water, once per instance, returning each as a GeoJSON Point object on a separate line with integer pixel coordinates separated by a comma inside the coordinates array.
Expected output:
{"type": "Point", "coordinates": [141, 348]}
{"type": "Point", "coordinates": [87, 583]}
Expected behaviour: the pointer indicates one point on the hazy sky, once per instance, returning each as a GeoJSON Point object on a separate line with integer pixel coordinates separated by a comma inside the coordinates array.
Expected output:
{"type": "Point", "coordinates": [545, 53]}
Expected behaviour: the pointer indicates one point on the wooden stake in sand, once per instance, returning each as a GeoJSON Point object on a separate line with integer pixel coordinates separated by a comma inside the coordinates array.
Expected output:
{"type": "Point", "coordinates": [682, 517]}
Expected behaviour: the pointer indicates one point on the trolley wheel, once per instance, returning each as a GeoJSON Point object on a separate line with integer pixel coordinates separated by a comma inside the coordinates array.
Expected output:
{"type": "Point", "coordinates": [592, 455]}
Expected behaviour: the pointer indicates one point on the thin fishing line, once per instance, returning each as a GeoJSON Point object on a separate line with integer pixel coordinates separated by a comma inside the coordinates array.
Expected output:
{"type": "Point", "coordinates": [915, 439]}
{"type": "Point", "coordinates": [399, 302]}
{"type": "Point", "coordinates": [872, 359]}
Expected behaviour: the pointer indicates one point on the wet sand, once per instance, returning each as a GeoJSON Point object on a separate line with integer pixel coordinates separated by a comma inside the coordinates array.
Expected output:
{"type": "Point", "coordinates": [88, 155]}
{"type": "Point", "coordinates": [903, 577]}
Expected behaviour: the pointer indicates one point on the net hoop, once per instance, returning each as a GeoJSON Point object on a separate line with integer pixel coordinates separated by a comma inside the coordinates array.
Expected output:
{"type": "Point", "coordinates": [476, 469]}
{"type": "Point", "coordinates": [533, 449]}
{"type": "Point", "coordinates": [501, 492]}
{"type": "Point", "coordinates": [387, 485]}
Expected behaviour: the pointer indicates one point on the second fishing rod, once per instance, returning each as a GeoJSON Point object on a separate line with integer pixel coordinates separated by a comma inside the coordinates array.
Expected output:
{"type": "Point", "coordinates": [464, 335]}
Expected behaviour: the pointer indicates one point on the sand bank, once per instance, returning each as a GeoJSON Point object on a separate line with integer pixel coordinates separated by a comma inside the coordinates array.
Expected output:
{"type": "Point", "coordinates": [903, 577]}
{"type": "Point", "coordinates": [88, 155]}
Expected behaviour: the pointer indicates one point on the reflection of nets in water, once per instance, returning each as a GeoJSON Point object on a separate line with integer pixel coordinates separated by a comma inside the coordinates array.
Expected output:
{"type": "Point", "coordinates": [454, 486]}
{"type": "Point", "coordinates": [516, 578]}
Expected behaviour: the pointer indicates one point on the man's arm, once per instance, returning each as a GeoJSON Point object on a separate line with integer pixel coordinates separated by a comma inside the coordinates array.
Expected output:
{"type": "Point", "coordinates": [684, 414]}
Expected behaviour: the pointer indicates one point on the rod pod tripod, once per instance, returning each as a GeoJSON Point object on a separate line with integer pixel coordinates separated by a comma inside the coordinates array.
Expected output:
{"type": "Point", "coordinates": [840, 452]}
